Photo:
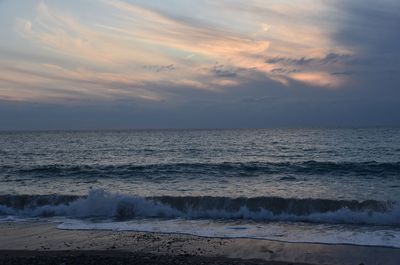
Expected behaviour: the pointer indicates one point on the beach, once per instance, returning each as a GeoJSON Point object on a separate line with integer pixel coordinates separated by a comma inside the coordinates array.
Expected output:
{"type": "Point", "coordinates": [199, 132]}
{"type": "Point", "coordinates": [44, 243]}
{"type": "Point", "coordinates": [302, 196]}
{"type": "Point", "coordinates": [117, 257]}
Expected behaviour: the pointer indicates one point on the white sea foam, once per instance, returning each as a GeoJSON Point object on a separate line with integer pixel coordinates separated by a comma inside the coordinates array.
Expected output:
{"type": "Point", "coordinates": [101, 204]}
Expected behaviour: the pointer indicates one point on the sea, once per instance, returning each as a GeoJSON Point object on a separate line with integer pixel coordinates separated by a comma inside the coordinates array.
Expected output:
{"type": "Point", "coordinates": [330, 186]}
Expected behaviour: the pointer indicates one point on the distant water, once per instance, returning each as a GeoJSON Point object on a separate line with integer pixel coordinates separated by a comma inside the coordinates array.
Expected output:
{"type": "Point", "coordinates": [308, 185]}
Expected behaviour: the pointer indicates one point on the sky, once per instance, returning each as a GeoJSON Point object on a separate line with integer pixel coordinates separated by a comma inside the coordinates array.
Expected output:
{"type": "Point", "coordinates": [120, 64]}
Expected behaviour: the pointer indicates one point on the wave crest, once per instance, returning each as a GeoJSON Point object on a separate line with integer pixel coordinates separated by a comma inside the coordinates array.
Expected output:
{"type": "Point", "coordinates": [101, 204]}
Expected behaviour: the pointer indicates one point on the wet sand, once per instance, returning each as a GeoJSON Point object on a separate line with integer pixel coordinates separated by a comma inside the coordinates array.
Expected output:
{"type": "Point", "coordinates": [119, 257]}
{"type": "Point", "coordinates": [43, 243]}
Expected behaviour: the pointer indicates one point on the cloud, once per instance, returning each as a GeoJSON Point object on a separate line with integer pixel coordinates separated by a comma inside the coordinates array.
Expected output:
{"type": "Point", "coordinates": [159, 68]}
{"type": "Point", "coordinates": [145, 47]}
{"type": "Point", "coordinates": [321, 79]}
{"type": "Point", "coordinates": [304, 61]}
{"type": "Point", "coordinates": [138, 52]}
{"type": "Point", "coordinates": [221, 70]}
{"type": "Point", "coordinates": [221, 63]}
{"type": "Point", "coordinates": [370, 28]}
{"type": "Point", "coordinates": [316, 71]}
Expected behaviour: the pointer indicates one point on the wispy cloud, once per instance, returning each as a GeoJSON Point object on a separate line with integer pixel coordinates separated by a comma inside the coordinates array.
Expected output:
{"type": "Point", "coordinates": [177, 62]}
{"type": "Point", "coordinates": [135, 50]}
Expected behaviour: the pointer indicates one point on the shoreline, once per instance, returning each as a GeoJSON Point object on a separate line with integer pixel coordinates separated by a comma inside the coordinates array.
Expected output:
{"type": "Point", "coordinates": [38, 239]}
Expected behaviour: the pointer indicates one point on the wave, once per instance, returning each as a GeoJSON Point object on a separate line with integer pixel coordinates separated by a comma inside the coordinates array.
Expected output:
{"type": "Point", "coordinates": [225, 169]}
{"type": "Point", "coordinates": [101, 204]}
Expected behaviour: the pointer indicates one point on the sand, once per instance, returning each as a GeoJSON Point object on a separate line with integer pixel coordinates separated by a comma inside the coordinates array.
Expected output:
{"type": "Point", "coordinates": [22, 243]}
{"type": "Point", "coordinates": [119, 257]}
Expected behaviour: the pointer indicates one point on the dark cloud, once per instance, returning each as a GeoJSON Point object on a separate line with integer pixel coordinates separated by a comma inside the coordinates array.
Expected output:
{"type": "Point", "coordinates": [262, 111]}
{"type": "Point", "coordinates": [221, 70]}
{"type": "Point", "coordinates": [159, 68]}
{"type": "Point", "coordinates": [258, 103]}
{"type": "Point", "coordinates": [305, 61]}
{"type": "Point", "coordinates": [343, 73]}
{"type": "Point", "coordinates": [371, 26]}
{"type": "Point", "coordinates": [371, 30]}
{"type": "Point", "coordinates": [283, 71]}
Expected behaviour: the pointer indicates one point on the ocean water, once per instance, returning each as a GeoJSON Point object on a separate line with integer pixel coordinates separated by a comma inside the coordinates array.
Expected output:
{"type": "Point", "coordinates": [296, 185]}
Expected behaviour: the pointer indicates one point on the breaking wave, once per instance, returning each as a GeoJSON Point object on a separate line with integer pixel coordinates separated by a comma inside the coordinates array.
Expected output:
{"type": "Point", "coordinates": [101, 204]}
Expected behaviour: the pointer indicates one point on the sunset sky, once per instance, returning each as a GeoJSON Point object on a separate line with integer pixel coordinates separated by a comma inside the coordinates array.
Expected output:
{"type": "Point", "coordinates": [91, 64]}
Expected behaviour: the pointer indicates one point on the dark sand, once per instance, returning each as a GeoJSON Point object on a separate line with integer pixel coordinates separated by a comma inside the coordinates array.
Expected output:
{"type": "Point", "coordinates": [118, 257]}
{"type": "Point", "coordinates": [43, 243]}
